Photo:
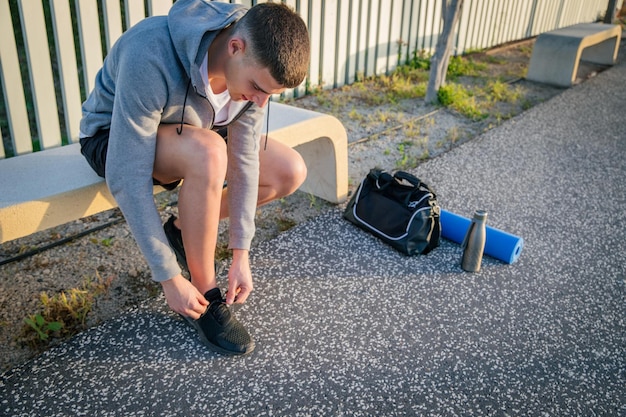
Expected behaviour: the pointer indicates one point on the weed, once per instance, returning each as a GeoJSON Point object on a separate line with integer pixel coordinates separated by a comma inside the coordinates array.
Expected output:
{"type": "Point", "coordinates": [71, 307]}
{"type": "Point", "coordinates": [460, 99]}
{"type": "Point", "coordinates": [313, 202]}
{"type": "Point", "coordinates": [464, 66]}
{"type": "Point", "coordinates": [499, 91]}
{"type": "Point", "coordinates": [374, 137]}
{"type": "Point", "coordinates": [25, 248]}
{"type": "Point", "coordinates": [106, 242]}
{"type": "Point", "coordinates": [285, 223]}
{"type": "Point", "coordinates": [405, 87]}
{"type": "Point", "coordinates": [428, 121]}
{"type": "Point", "coordinates": [453, 135]}
{"type": "Point", "coordinates": [99, 286]}
{"type": "Point", "coordinates": [63, 314]}
{"type": "Point", "coordinates": [372, 97]}
{"type": "Point", "coordinates": [470, 109]}
{"type": "Point", "coordinates": [414, 75]}
{"type": "Point", "coordinates": [420, 60]}
{"type": "Point", "coordinates": [401, 44]}
{"type": "Point", "coordinates": [451, 93]}
{"type": "Point", "coordinates": [222, 252]}
{"type": "Point", "coordinates": [331, 102]}
{"type": "Point", "coordinates": [42, 327]}
{"type": "Point", "coordinates": [413, 132]}
{"type": "Point", "coordinates": [407, 159]}
{"type": "Point", "coordinates": [312, 89]}
{"type": "Point", "coordinates": [407, 162]}
{"type": "Point", "coordinates": [515, 72]}
{"type": "Point", "coordinates": [526, 104]}
{"type": "Point", "coordinates": [355, 115]}
{"type": "Point", "coordinates": [380, 116]}
{"type": "Point", "coordinates": [495, 60]}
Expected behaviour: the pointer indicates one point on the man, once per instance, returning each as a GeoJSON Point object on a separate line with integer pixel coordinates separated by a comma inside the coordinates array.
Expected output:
{"type": "Point", "coordinates": [166, 87]}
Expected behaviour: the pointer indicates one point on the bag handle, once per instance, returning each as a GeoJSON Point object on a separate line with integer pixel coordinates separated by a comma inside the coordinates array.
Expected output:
{"type": "Point", "coordinates": [416, 182]}
{"type": "Point", "coordinates": [381, 179]}
{"type": "Point", "coordinates": [401, 175]}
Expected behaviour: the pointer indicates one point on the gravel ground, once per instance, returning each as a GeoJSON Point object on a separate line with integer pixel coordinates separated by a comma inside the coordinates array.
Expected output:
{"type": "Point", "coordinates": [98, 254]}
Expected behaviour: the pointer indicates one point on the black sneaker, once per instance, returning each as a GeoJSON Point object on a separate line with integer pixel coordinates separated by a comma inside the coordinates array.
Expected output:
{"type": "Point", "coordinates": [175, 237]}
{"type": "Point", "coordinates": [219, 329]}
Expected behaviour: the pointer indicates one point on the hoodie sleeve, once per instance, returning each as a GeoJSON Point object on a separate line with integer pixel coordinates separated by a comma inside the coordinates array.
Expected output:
{"type": "Point", "coordinates": [138, 103]}
{"type": "Point", "coordinates": [243, 176]}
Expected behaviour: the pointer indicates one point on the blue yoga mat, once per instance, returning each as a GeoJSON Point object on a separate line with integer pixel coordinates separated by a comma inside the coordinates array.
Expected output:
{"type": "Point", "coordinates": [499, 244]}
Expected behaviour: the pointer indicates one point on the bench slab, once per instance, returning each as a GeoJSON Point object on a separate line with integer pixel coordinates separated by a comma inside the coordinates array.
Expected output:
{"type": "Point", "coordinates": [52, 187]}
{"type": "Point", "coordinates": [557, 53]}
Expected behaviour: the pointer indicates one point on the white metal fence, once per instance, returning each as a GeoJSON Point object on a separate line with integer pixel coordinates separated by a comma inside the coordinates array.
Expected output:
{"type": "Point", "coordinates": [50, 50]}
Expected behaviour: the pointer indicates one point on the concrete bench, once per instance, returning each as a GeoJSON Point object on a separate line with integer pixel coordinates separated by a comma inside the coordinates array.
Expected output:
{"type": "Point", "coordinates": [557, 54]}
{"type": "Point", "coordinates": [44, 189]}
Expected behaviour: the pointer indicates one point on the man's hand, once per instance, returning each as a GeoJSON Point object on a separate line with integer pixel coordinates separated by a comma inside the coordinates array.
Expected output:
{"type": "Point", "coordinates": [184, 298]}
{"type": "Point", "coordinates": [239, 278]}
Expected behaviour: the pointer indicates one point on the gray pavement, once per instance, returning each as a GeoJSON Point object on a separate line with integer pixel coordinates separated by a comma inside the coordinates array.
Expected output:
{"type": "Point", "coordinates": [346, 326]}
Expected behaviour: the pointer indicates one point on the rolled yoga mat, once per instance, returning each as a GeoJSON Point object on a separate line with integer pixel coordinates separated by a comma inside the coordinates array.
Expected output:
{"type": "Point", "coordinates": [499, 244]}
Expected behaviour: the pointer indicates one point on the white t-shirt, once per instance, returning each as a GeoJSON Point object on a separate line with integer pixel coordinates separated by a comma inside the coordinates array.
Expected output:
{"type": "Point", "coordinates": [225, 108]}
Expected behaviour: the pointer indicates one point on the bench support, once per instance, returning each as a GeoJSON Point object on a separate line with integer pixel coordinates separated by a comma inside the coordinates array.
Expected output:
{"type": "Point", "coordinates": [322, 141]}
{"type": "Point", "coordinates": [557, 53]}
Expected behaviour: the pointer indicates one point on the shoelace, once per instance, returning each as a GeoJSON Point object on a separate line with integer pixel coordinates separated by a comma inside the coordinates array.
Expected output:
{"type": "Point", "coordinates": [220, 311]}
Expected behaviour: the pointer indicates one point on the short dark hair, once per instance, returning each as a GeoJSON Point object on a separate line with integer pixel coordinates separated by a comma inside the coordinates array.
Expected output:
{"type": "Point", "coordinates": [279, 40]}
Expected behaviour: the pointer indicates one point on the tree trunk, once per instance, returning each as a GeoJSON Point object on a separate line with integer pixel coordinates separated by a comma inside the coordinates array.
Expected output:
{"type": "Point", "coordinates": [609, 16]}
{"type": "Point", "coordinates": [451, 10]}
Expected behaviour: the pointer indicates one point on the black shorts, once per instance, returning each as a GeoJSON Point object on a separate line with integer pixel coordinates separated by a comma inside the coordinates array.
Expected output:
{"type": "Point", "coordinates": [94, 149]}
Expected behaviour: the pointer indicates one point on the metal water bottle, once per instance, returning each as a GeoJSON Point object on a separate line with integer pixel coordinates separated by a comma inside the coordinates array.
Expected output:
{"type": "Point", "coordinates": [474, 242]}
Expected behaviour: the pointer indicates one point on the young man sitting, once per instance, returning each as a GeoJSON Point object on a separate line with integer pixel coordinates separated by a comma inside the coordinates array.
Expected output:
{"type": "Point", "coordinates": [182, 97]}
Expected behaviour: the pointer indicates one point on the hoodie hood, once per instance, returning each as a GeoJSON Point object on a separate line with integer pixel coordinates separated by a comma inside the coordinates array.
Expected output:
{"type": "Point", "coordinates": [193, 24]}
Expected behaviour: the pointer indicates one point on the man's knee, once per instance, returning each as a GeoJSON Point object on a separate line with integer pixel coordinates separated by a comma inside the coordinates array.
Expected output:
{"type": "Point", "coordinates": [208, 154]}
{"type": "Point", "coordinates": [292, 173]}
{"type": "Point", "coordinates": [298, 171]}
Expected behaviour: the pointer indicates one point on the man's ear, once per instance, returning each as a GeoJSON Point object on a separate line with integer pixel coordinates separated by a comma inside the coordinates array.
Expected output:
{"type": "Point", "coordinates": [236, 45]}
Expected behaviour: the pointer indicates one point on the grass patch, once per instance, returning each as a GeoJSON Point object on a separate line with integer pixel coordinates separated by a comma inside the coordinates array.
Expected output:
{"type": "Point", "coordinates": [464, 66]}
{"type": "Point", "coordinates": [500, 91]}
{"type": "Point", "coordinates": [409, 155]}
{"type": "Point", "coordinates": [461, 99]}
{"type": "Point", "coordinates": [62, 315]}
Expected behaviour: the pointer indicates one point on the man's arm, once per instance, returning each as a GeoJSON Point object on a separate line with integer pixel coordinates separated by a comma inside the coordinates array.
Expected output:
{"type": "Point", "coordinates": [138, 105]}
{"type": "Point", "coordinates": [243, 188]}
{"type": "Point", "coordinates": [239, 278]}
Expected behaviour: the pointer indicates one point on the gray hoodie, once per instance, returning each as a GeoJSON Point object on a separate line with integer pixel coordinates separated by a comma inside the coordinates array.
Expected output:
{"type": "Point", "coordinates": [147, 76]}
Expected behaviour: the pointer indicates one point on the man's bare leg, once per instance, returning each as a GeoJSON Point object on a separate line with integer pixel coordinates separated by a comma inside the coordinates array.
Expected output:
{"type": "Point", "coordinates": [199, 157]}
{"type": "Point", "coordinates": [281, 172]}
